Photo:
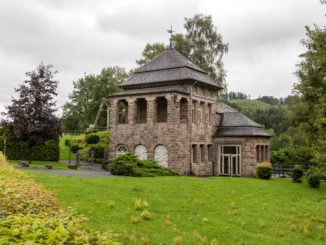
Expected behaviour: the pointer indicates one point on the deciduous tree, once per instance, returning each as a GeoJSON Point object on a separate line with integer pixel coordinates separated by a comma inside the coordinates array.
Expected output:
{"type": "Point", "coordinates": [32, 115]}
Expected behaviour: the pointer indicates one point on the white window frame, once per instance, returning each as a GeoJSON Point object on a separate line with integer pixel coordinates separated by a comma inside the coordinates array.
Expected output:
{"type": "Point", "coordinates": [221, 161]}
{"type": "Point", "coordinates": [119, 151]}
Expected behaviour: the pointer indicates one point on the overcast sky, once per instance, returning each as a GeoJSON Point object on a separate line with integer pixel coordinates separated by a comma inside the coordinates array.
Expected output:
{"type": "Point", "coordinates": [80, 36]}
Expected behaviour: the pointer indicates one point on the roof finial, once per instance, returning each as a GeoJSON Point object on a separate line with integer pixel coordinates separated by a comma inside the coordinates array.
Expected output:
{"type": "Point", "coordinates": [171, 32]}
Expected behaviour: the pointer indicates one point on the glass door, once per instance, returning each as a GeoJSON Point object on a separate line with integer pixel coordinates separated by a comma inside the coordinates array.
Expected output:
{"type": "Point", "coordinates": [230, 160]}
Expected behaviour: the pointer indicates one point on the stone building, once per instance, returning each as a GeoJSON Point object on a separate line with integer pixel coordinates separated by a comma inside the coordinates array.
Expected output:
{"type": "Point", "coordinates": [168, 112]}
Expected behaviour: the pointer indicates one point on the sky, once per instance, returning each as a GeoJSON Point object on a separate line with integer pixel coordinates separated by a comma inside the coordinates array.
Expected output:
{"type": "Point", "coordinates": [84, 36]}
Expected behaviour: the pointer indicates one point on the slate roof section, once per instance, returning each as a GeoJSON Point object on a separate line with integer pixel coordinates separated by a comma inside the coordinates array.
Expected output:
{"type": "Point", "coordinates": [169, 66]}
{"type": "Point", "coordinates": [178, 89]}
{"type": "Point", "coordinates": [235, 124]}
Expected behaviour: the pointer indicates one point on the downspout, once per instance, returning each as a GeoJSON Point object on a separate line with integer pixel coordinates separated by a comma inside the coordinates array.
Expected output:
{"type": "Point", "coordinates": [213, 154]}
{"type": "Point", "coordinates": [191, 153]}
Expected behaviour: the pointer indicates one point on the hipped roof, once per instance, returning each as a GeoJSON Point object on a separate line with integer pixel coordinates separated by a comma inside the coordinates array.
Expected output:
{"type": "Point", "coordinates": [168, 66]}
{"type": "Point", "coordinates": [230, 123]}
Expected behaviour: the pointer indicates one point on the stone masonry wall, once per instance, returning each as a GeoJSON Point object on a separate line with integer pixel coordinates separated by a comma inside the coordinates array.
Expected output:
{"type": "Point", "coordinates": [248, 152]}
{"type": "Point", "coordinates": [173, 134]}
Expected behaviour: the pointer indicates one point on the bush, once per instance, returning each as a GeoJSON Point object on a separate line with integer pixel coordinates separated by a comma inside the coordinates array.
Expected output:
{"type": "Point", "coordinates": [264, 171]}
{"type": "Point", "coordinates": [92, 139]}
{"type": "Point", "coordinates": [297, 173]}
{"type": "Point", "coordinates": [129, 165]}
{"type": "Point", "coordinates": [98, 151]}
{"type": "Point", "coordinates": [74, 148]}
{"type": "Point", "coordinates": [313, 177]}
{"type": "Point", "coordinates": [17, 150]}
{"type": "Point", "coordinates": [91, 131]}
{"type": "Point", "coordinates": [67, 142]}
{"type": "Point", "coordinates": [31, 215]}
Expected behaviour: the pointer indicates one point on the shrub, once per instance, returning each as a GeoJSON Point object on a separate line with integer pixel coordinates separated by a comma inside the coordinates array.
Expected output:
{"type": "Point", "coordinates": [67, 142]}
{"type": "Point", "coordinates": [98, 151]}
{"type": "Point", "coordinates": [92, 139]}
{"type": "Point", "coordinates": [91, 131]}
{"type": "Point", "coordinates": [313, 177]}
{"type": "Point", "coordinates": [16, 150]}
{"type": "Point", "coordinates": [264, 171]}
{"type": "Point", "coordinates": [74, 148]}
{"type": "Point", "coordinates": [31, 215]}
{"type": "Point", "coordinates": [297, 173]}
{"type": "Point", "coordinates": [129, 165]}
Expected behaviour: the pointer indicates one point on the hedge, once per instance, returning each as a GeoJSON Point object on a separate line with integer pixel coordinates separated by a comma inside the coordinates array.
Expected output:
{"type": "Point", "coordinates": [30, 214]}
{"type": "Point", "coordinates": [18, 150]}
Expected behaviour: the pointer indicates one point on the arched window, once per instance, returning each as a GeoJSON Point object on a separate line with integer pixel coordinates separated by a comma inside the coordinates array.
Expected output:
{"type": "Point", "coordinates": [141, 152]}
{"type": "Point", "coordinates": [161, 155]}
{"type": "Point", "coordinates": [121, 149]}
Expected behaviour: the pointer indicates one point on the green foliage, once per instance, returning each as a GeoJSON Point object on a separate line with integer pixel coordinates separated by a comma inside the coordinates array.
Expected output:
{"type": "Point", "coordinates": [313, 177]}
{"type": "Point", "coordinates": [264, 171]}
{"type": "Point", "coordinates": [201, 43]}
{"type": "Point", "coordinates": [92, 139]}
{"type": "Point", "coordinates": [31, 215]}
{"type": "Point", "coordinates": [129, 165]}
{"type": "Point", "coordinates": [74, 148]}
{"type": "Point", "coordinates": [67, 142]}
{"type": "Point", "coordinates": [297, 173]}
{"type": "Point", "coordinates": [98, 151]}
{"type": "Point", "coordinates": [17, 150]}
{"type": "Point", "coordinates": [81, 109]}
{"type": "Point", "coordinates": [91, 131]}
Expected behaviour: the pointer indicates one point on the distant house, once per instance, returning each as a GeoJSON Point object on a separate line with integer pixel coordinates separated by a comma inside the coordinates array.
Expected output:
{"type": "Point", "coordinates": [168, 112]}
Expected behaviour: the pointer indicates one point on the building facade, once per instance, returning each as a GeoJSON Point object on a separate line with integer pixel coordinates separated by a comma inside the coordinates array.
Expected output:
{"type": "Point", "coordinates": [168, 112]}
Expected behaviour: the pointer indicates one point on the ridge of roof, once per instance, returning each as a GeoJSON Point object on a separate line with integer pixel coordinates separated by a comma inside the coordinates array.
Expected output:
{"type": "Point", "coordinates": [169, 58]}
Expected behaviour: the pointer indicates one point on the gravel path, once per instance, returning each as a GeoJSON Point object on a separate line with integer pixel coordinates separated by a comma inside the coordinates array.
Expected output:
{"type": "Point", "coordinates": [85, 172]}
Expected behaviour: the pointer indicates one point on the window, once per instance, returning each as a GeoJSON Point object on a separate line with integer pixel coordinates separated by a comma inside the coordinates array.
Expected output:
{"type": "Point", "coordinates": [209, 114]}
{"type": "Point", "coordinates": [141, 115]}
{"type": "Point", "coordinates": [210, 153]}
{"type": "Point", "coordinates": [202, 153]}
{"type": "Point", "coordinates": [202, 113]}
{"type": "Point", "coordinates": [261, 153]}
{"type": "Point", "coordinates": [194, 153]}
{"type": "Point", "coordinates": [123, 111]}
{"type": "Point", "coordinates": [161, 109]}
{"type": "Point", "coordinates": [194, 112]}
{"type": "Point", "coordinates": [121, 149]}
{"type": "Point", "coordinates": [230, 160]}
{"type": "Point", "coordinates": [141, 152]}
{"type": "Point", "coordinates": [183, 110]}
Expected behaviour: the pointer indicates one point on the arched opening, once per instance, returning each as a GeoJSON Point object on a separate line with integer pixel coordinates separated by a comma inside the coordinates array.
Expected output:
{"type": "Point", "coordinates": [161, 155]}
{"type": "Point", "coordinates": [121, 149]}
{"type": "Point", "coordinates": [141, 152]}
{"type": "Point", "coordinates": [161, 109]}
{"type": "Point", "coordinates": [123, 111]}
{"type": "Point", "coordinates": [141, 115]}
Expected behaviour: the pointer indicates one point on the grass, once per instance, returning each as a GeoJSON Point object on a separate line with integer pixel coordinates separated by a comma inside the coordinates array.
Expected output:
{"type": "Point", "coordinates": [64, 150]}
{"type": "Point", "coordinates": [185, 210]}
{"type": "Point", "coordinates": [41, 164]}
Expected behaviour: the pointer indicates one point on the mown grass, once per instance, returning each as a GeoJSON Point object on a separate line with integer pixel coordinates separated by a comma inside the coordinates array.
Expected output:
{"type": "Point", "coordinates": [64, 150]}
{"type": "Point", "coordinates": [185, 210]}
{"type": "Point", "coordinates": [41, 164]}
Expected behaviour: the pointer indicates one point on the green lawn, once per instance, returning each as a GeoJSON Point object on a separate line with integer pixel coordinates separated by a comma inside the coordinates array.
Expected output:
{"type": "Point", "coordinates": [41, 164]}
{"type": "Point", "coordinates": [191, 210]}
{"type": "Point", "coordinates": [64, 150]}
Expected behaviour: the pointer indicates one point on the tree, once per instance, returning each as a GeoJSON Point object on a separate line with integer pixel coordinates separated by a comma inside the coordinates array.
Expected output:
{"type": "Point", "coordinates": [81, 109]}
{"type": "Point", "coordinates": [201, 43]}
{"type": "Point", "coordinates": [32, 114]}
{"type": "Point", "coordinates": [310, 111]}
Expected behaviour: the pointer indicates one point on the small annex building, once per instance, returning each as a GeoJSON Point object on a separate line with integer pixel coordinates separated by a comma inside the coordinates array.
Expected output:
{"type": "Point", "coordinates": [168, 112]}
